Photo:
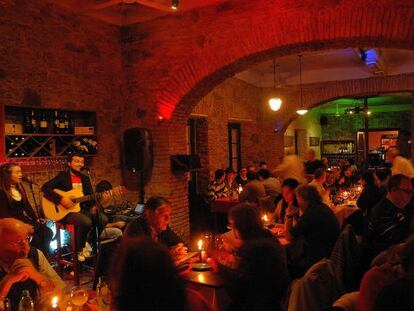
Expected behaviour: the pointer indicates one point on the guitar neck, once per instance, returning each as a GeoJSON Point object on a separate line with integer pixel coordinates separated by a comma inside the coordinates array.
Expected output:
{"type": "Point", "coordinates": [89, 197]}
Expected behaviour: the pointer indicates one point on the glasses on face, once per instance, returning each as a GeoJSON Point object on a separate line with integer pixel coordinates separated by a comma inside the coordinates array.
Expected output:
{"type": "Point", "coordinates": [406, 191]}
{"type": "Point", "coordinates": [28, 239]}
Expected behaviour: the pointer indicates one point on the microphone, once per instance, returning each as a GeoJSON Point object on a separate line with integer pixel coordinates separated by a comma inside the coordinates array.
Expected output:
{"type": "Point", "coordinates": [28, 180]}
{"type": "Point", "coordinates": [85, 168]}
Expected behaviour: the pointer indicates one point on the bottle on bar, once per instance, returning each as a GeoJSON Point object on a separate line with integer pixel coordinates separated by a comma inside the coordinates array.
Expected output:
{"type": "Point", "coordinates": [33, 122]}
{"type": "Point", "coordinates": [66, 118]}
{"type": "Point", "coordinates": [26, 302]}
{"type": "Point", "coordinates": [44, 123]}
{"type": "Point", "coordinates": [56, 128]}
{"type": "Point", "coordinates": [27, 122]}
{"type": "Point", "coordinates": [61, 124]}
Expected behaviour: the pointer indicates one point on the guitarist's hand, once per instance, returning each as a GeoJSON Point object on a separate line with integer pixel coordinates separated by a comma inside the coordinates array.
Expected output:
{"type": "Point", "coordinates": [67, 203]}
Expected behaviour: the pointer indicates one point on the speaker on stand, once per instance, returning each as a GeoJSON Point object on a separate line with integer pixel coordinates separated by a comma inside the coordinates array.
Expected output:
{"type": "Point", "coordinates": [137, 158]}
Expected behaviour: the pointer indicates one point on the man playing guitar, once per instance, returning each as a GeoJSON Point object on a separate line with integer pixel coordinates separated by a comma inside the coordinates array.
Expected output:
{"type": "Point", "coordinates": [85, 219]}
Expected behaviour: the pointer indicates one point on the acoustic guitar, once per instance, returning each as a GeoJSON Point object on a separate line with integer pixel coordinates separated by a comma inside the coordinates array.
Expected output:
{"type": "Point", "coordinates": [57, 211]}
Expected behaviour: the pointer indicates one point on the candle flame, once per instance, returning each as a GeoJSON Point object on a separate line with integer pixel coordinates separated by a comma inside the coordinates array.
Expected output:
{"type": "Point", "coordinates": [265, 218]}
{"type": "Point", "coordinates": [55, 301]}
{"type": "Point", "coordinates": [200, 244]}
{"type": "Point", "coordinates": [240, 189]}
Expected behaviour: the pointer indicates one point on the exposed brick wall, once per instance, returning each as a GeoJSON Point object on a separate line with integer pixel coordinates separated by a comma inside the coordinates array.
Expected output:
{"type": "Point", "coordinates": [131, 75]}
{"type": "Point", "coordinates": [70, 62]}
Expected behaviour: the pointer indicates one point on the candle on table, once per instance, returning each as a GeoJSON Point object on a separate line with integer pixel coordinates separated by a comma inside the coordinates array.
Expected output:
{"type": "Point", "coordinates": [240, 189]}
{"type": "Point", "coordinates": [203, 254]}
{"type": "Point", "coordinates": [55, 305]}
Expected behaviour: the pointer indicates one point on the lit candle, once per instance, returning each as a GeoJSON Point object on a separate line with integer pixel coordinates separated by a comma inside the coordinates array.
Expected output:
{"type": "Point", "coordinates": [203, 253]}
{"type": "Point", "coordinates": [240, 189]}
{"type": "Point", "coordinates": [55, 301]}
{"type": "Point", "coordinates": [265, 218]}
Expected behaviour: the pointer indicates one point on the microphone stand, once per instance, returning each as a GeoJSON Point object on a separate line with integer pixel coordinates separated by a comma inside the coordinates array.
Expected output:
{"type": "Point", "coordinates": [35, 202]}
{"type": "Point", "coordinates": [97, 224]}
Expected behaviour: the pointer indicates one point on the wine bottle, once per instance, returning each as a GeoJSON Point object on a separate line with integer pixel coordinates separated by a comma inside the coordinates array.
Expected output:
{"type": "Point", "coordinates": [44, 124]}
{"type": "Point", "coordinates": [56, 123]}
{"type": "Point", "coordinates": [33, 121]}
{"type": "Point", "coordinates": [66, 118]}
{"type": "Point", "coordinates": [27, 122]}
{"type": "Point", "coordinates": [61, 124]}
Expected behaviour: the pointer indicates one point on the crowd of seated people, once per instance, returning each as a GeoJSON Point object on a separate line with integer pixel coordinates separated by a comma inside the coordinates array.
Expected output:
{"type": "Point", "coordinates": [258, 270]}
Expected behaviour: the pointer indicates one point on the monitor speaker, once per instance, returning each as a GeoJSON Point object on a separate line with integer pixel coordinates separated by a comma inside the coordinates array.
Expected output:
{"type": "Point", "coordinates": [138, 152]}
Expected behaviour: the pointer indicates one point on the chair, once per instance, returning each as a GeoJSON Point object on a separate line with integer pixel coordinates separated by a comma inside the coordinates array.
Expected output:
{"type": "Point", "coordinates": [61, 261]}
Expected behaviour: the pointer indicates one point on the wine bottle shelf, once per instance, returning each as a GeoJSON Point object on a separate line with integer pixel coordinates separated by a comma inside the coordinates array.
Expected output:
{"type": "Point", "coordinates": [27, 146]}
{"type": "Point", "coordinates": [33, 132]}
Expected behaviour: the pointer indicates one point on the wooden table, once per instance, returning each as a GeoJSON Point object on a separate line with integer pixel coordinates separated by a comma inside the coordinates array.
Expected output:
{"type": "Point", "coordinates": [223, 205]}
{"type": "Point", "coordinates": [211, 286]}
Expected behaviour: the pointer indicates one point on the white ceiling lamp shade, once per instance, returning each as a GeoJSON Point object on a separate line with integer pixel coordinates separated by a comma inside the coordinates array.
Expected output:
{"type": "Point", "coordinates": [302, 110]}
{"type": "Point", "coordinates": [275, 102]}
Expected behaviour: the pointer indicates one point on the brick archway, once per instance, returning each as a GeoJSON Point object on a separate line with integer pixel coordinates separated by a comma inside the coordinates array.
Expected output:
{"type": "Point", "coordinates": [174, 62]}
{"type": "Point", "coordinates": [177, 60]}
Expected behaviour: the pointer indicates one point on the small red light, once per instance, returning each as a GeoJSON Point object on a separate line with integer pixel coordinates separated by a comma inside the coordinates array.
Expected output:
{"type": "Point", "coordinates": [160, 118]}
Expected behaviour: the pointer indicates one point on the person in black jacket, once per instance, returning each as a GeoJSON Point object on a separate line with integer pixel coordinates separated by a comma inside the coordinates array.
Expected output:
{"type": "Point", "coordinates": [87, 217]}
{"type": "Point", "coordinates": [14, 204]}
{"type": "Point", "coordinates": [155, 224]}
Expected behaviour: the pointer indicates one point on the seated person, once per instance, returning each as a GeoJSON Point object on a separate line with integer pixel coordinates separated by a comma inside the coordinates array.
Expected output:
{"type": "Point", "coordinates": [23, 267]}
{"type": "Point", "coordinates": [390, 220]}
{"type": "Point", "coordinates": [288, 198]}
{"type": "Point", "coordinates": [318, 182]}
{"type": "Point", "coordinates": [379, 277]}
{"type": "Point", "coordinates": [370, 194]}
{"type": "Point", "coordinates": [231, 185]}
{"type": "Point", "coordinates": [314, 235]}
{"type": "Point", "coordinates": [217, 188]}
{"type": "Point", "coordinates": [15, 204]}
{"type": "Point", "coordinates": [262, 165]}
{"type": "Point", "coordinates": [112, 230]}
{"type": "Point", "coordinates": [144, 278]}
{"type": "Point", "coordinates": [271, 184]}
{"type": "Point", "coordinates": [253, 190]}
{"type": "Point", "coordinates": [259, 277]}
{"type": "Point", "coordinates": [345, 180]}
{"type": "Point", "coordinates": [155, 224]}
{"type": "Point", "coordinates": [241, 179]}
{"type": "Point", "coordinates": [312, 164]}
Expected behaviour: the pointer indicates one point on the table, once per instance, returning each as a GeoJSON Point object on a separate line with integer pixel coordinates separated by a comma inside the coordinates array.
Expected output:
{"type": "Point", "coordinates": [211, 286]}
{"type": "Point", "coordinates": [223, 205]}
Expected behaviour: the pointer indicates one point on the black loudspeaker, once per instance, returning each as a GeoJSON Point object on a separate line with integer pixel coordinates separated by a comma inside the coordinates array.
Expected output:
{"type": "Point", "coordinates": [323, 121]}
{"type": "Point", "coordinates": [138, 153]}
{"type": "Point", "coordinates": [185, 162]}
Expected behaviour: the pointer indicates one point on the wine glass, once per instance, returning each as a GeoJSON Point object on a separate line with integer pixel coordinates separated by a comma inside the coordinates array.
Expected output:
{"type": "Point", "coordinates": [78, 296]}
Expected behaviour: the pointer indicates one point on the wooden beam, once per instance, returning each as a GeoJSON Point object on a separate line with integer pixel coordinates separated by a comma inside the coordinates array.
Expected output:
{"type": "Point", "coordinates": [91, 7]}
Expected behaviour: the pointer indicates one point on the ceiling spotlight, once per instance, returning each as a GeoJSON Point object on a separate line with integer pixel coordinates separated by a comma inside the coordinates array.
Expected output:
{"type": "Point", "coordinates": [302, 111]}
{"type": "Point", "coordinates": [174, 4]}
{"type": "Point", "coordinates": [369, 113]}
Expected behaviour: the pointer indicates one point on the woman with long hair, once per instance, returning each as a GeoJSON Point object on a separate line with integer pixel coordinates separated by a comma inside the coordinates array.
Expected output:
{"type": "Point", "coordinates": [15, 204]}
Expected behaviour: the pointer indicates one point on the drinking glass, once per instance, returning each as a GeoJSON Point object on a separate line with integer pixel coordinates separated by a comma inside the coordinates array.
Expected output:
{"type": "Point", "coordinates": [78, 296]}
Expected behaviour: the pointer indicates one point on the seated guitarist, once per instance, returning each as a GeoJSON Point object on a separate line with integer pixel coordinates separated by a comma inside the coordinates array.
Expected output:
{"type": "Point", "coordinates": [85, 219]}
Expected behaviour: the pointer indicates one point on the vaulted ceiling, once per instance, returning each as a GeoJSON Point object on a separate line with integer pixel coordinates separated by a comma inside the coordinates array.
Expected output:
{"type": "Point", "coordinates": [126, 12]}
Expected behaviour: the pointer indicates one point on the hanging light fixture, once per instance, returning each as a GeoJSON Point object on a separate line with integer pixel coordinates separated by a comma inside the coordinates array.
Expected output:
{"type": "Point", "coordinates": [275, 102]}
{"type": "Point", "coordinates": [302, 110]}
